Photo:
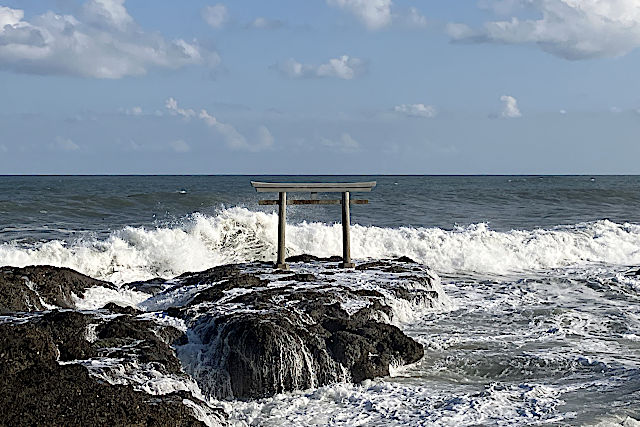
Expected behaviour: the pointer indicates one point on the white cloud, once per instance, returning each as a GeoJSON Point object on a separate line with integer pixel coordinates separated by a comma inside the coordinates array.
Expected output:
{"type": "Point", "coordinates": [374, 14]}
{"type": "Point", "coordinates": [180, 146]}
{"type": "Point", "coordinates": [459, 31]}
{"type": "Point", "coordinates": [571, 29]}
{"type": "Point", "coordinates": [172, 105]}
{"type": "Point", "coordinates": [65, 144]}
{"type": "Point", "coordinates": [563, 112]}
{"type": "Point", "coordinates": [232, 138]}
{"type": "Point", "coordinates": [261, 23]}
{"type": "Point", "coordinates": [3, 148]}
{"type": "Point", "coordinates": [344, 67]}
{"type": "Point", "coordinates": [104, 42]}
{"type": "Point", "coordinates": [510, 108]}
{"type": "Point", "coordinates": [345, 143]}
{"type": "Point", "coordinates": [415, 19]}
{"type": "Point", "coordinates": [10, 16]}
{"type": "Point", "coordinates": [110, 13]}
{"type": "Point", "coordinates": [265, 139]}
{"type": "Point", "coordinates": [216, 16]}
{"type": "Point", "coordinates": [133, 111]}
{"type": "Point", "coordinates": [416, 110]}
{"type": "Point", "coordinates": [379, 14]}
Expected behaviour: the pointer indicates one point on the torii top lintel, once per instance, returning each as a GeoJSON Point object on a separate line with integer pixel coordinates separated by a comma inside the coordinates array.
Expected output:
{"type": "Point", "coordinates": [312, 187]}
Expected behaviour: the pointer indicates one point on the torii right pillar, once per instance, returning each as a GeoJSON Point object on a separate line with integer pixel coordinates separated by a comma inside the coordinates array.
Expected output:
{"type": "Point", "coordinates": [346, 234]}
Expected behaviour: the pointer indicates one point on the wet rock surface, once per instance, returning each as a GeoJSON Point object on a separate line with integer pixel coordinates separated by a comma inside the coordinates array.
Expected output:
{"type": "Point", "coordinates": [230, 332]}
{"type": "Point", "coordinates": [41, 385]}
{"type": "Point", "coordinates": [33, 288]}
{"type": "Point", "coordinates": [259, 332]}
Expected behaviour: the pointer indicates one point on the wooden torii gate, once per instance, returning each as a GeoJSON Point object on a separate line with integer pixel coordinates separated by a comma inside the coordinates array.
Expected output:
{"type": "Point", "coordinates": [314, 188]}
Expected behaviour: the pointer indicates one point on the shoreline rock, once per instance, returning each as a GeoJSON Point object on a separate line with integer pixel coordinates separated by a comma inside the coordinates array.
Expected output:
{"type": "Point", "coordinates": [41, 384]}
{"type": "Point", "coordinates": [34, 288]}
{"type": "Point", "coordinates": [237, 331]}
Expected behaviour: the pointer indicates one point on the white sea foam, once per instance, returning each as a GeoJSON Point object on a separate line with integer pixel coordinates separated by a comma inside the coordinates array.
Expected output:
{"type": "Point", "coordinates": [98, 296]}
{"type": "Point", "coordinates": [238, 235]}
{"type": "Point", "coordinates": [381, 403]}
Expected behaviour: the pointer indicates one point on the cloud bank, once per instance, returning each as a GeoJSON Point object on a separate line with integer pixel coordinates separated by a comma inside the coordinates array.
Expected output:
{"type": "Point", "coordinates": [416, 110]}
{"type": "Point", "coordinates": [374, 14]}
{"type": "Point", "coordinates": [343, 67]}
{"type": "Point", "coordinates": [102, 42]}
{"type": "Point", "coordinates": [378, 14]}
{"type": "Point", "coordinates": [232, 138]}
{"type": "Point", "coordinates": [570, 29]}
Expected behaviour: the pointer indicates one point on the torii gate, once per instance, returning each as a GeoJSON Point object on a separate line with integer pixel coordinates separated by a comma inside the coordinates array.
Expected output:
{"type": "Point", "coordinates": [314, 188]}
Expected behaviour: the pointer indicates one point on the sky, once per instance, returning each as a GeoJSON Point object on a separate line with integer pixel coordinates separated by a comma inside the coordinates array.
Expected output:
{"type": "Point", "coordinates": [319, 87]}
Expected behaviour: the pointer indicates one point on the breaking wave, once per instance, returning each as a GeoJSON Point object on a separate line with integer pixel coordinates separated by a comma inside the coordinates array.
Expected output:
{"type": "Point", "coordinates": [240, 235]}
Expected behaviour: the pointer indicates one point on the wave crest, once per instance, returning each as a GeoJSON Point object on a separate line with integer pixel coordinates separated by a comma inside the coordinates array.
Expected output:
{"type": "Point", "coordinates": [240, 235]}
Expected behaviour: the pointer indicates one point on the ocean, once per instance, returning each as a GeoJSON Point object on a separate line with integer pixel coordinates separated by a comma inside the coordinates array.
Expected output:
{"type": "Point", "coordinates": [541, 324]}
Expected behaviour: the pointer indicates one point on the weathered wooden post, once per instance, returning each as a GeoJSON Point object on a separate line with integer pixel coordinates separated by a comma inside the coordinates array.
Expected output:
{"type": "Point", "coordinates": [282, 223]}
{"type": "Point", "coordinates": [346, 234]}
{"type": "Point", "coordinates": [314, 188]}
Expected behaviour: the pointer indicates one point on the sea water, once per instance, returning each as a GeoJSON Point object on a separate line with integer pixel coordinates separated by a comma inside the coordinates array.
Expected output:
{"type": "Point", "coordinates": [542, 317]}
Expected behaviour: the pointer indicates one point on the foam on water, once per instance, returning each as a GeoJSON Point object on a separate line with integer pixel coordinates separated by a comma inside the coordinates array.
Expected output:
{"type": "Point", "coordinates": [98, 296]}
{"type": "Point", "coordinates": [241, 235]}
{"type": "Point", "coordinates": [382, 403]}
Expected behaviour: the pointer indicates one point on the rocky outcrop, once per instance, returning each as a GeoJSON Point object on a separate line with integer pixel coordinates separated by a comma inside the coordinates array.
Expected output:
{"type": "Point", "coordinates": [41, 385]}
{"type": "Point", "coordinates": [233, 331]}
{"type": "Point", "coordinates": [36, 287]}
{"type": "Point", "coordinates": [255, 332]}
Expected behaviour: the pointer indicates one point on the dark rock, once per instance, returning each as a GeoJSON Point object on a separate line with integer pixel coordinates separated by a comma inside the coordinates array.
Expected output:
{"type": "Point", "coordinates": [211, 275]}
{"type": "Point", "coordinates": [313, 258]}
{"type": "Point", "coordinates": [36, 390]}
{"type": "Point", "coordinates": [299, 277]}
{"type": "Point", "coordinates": [155, 341]}
{"type": "Point", "coordinates": [152, 286]}
{"type": "Point", "coordinates": [26, 289]}
{"type": "Point", "coordinates": [356, 353]}
{"type": "Point", "coordinates": [258, 355]}
{"type": "Point", "coordinates": [120, 309]}
{"type": "Point", "coordinates": [59, 333]}
{"type": "Point", "coordinates": [405, 259]}
{"type": "Point", "coordinates": [22, 347]}
{"type": "Point", "coordinates": [371, 265]}
{"type": "Point", "coordinates": [383, 266]}
{"type": "Point", "coordinates": [371, 311]}
{"type": "Point", "coordinates": [262, 340]}
{"type": "Point", "coordinates": [69, 331]}
{"type": "Point", "coordinates": [306, 344]}
{"type": "Point", "coordinates": [216, 292]}
{"type": "Point", "coordinates": [396, 269]}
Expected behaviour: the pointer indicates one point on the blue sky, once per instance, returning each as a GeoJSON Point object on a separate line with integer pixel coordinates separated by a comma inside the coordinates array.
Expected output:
{"type": "Point", "coordinates": [320, 86]}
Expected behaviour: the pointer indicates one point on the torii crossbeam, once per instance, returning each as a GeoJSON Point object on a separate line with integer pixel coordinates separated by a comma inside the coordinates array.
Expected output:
{"type": "Point", "coordinates": [313, 187]}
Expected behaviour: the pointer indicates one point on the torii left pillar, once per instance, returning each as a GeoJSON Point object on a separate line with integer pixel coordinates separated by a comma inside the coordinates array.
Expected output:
{"type": "Point", "coordinates": [346, 233]}
{"type": "Point", "coordinates": [282, 224]}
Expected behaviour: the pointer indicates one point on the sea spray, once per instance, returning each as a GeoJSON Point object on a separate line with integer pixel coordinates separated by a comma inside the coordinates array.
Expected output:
{"type": "Point", "coordinates": [240, 235]}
